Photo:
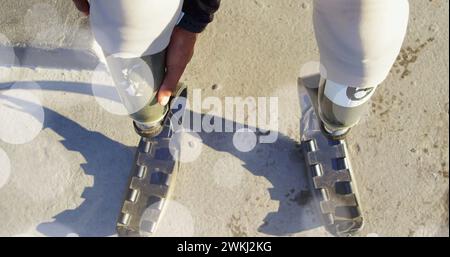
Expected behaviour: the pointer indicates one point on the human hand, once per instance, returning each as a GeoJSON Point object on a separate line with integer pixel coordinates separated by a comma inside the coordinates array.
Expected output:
{"type": "Point", "coordinates": [179, 54]}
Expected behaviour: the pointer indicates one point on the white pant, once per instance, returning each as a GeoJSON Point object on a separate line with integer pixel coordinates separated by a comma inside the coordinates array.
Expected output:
{"type": "Point", "coordinates": [134, 28]}
{"type": "Point", "coordinates": [359, 40]}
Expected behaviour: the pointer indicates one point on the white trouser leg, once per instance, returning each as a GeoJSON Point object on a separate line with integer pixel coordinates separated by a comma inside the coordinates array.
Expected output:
{"type": "Point", "coordinates": [359, 40]}
{"type": "Point", "coordinates": [130, 29]}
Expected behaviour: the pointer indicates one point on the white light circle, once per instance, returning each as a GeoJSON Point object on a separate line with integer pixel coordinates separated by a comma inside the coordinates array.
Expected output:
{"type": "Point", "coordinates": [310, 69]}
{"type": "Point", "coordinates": [5, 168]}
{"type": "Point", "coordinates": [185, 146]}
{"type": "Point", "coordinates": [29, 86]}
{"type": "Point", "coordinates": [7, 55]}
{"type": "Point", "coordinates": [55, 229]}
{"type": "Point", "coordinates": [175, 220]}
{"type": "Point", "coordinates": [244, 140]}
{"type": "Point", "coordinates": [123, 86]}
{"type": "Point", "coordinates": [7, 59]}
{"type": "Point", "coordinates": [22, 115]}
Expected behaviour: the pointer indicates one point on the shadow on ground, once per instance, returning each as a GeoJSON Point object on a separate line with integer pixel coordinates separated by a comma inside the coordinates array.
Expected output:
{"type": "Point", "coordinates": [289, 187]}
{"type": "Point", "coordinates": [109, 162]}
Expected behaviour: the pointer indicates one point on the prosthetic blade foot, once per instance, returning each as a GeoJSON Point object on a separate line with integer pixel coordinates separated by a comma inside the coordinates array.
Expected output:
{"type": "Point", "coordinates": [151, 179]}
{"type": "Point", "coordinates": [332, 181]}
{"type": "Point", "coordinates": [329, 171]}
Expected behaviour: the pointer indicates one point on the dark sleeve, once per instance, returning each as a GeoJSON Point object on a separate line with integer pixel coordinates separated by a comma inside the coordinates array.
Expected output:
{"type": "Point", "coordinates": [197, 14]}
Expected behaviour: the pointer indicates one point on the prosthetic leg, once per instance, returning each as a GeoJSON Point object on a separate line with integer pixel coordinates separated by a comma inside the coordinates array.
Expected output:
{"type": "Point", "coordinates": [155, 165]}
{"type": "Point", "coordinates": [134, 39]}
{"type": "Point", "coordinates": [359, 41]}
{"type": "Point", "coordinates": [327, 160]}
{"type": "Point", "coordinates": [153, 175]}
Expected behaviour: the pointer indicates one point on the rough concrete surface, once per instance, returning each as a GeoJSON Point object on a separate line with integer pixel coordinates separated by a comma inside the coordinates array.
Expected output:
{"type": "Point", "coordinates": [69, 179]}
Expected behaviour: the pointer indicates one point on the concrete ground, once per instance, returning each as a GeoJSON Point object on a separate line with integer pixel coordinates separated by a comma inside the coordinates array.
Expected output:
{"type": "Point", "coordinates": [64, 160]}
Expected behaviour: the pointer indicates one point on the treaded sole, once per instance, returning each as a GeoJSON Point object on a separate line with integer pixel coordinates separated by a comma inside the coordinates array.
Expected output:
{"type": "Point", "coordinates": [332, 181]}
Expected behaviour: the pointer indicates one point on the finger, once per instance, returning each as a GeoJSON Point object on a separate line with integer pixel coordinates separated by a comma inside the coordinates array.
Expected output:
{"type": "Point", "coordinates": [169, 84]}
{"type": "Point", "coordinates": [164, 94]}
{"type": "Point", "coordinates": [180, 51]}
